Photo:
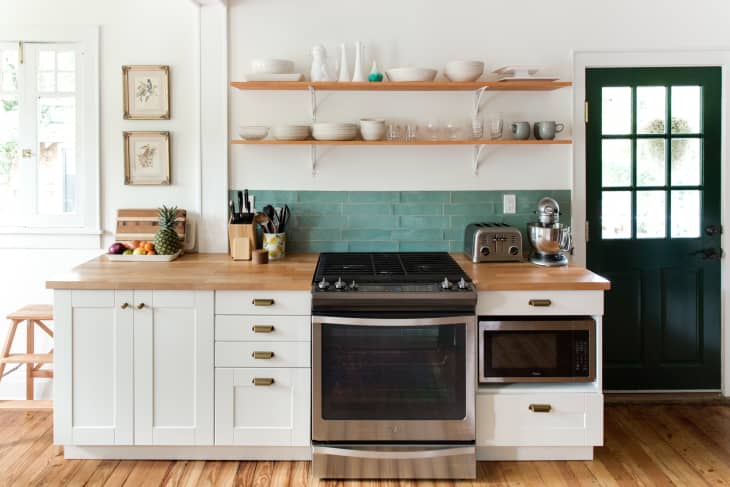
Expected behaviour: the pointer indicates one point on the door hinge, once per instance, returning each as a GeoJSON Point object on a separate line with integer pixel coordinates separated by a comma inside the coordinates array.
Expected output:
{"type": "Point", "coordinates": [588, 235]}
{"type": "Point", "coordinates": [585, 111]}
{"type": "Point", "coordinates": [21, 56]}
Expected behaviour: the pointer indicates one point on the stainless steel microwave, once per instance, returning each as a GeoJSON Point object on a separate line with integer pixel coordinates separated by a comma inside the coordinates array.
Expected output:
{"type": "Point", "coordinates": [546, 349]}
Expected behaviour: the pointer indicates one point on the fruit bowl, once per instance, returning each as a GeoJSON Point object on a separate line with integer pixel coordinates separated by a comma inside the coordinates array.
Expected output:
{"type": "Point", "coordinates": [143, 258]}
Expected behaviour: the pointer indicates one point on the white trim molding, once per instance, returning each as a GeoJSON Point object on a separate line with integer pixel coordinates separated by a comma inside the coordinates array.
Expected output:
{"type": "Point", "coordinates": [206, 3]}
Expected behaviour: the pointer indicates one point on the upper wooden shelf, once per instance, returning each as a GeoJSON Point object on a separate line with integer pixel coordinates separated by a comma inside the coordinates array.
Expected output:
{"type": "Point", "coordinates": [402, 85]}
{"type": "Point", "coordinates": [404, 142]}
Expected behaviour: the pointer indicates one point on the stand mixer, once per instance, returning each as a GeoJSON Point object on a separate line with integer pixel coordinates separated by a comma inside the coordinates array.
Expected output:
{"type": "Point", "coordinates": [549, 238]}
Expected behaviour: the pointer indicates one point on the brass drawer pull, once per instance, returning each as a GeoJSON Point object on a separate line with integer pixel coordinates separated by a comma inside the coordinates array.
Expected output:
{"type": "Point", "coordinates": [263, 302]}
{"type": "Point", "coordinates": [140, 305]}
{"type": "Point", "coordinates": [540, 302]}
{"type": "Point", "coordinates": [262, 355]}
{"type": "Point", "coordinates": [124, 305]}
{"type": "Point", "coordinates": [261, 381]}
{"type": "Point", "coordinates": [540, 408]}
{"type": "Point", "coordinates": [262, 328]}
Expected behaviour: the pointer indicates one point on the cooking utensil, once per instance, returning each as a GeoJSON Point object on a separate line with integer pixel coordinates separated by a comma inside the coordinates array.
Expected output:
{"type": "Point", "coordinates": [246, 201]}
{"type": "Point", "coordinates": [240, 205]}
{"type": "Point", "coordinates": [285, 214]}
{"type": "Point", "coordinates": [232, 211]}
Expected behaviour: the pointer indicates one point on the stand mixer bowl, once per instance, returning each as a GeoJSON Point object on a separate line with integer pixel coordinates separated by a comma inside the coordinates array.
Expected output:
{"type": "Point", "coordinates": [548, 242]}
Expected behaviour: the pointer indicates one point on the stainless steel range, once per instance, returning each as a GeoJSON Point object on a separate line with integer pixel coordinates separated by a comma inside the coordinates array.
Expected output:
{"type": "Point", "coordinates": [394, 367]}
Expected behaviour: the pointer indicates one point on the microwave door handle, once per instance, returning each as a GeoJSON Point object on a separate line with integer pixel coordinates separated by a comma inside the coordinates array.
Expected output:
{"type": "Point", "coordinates": [393, 455]}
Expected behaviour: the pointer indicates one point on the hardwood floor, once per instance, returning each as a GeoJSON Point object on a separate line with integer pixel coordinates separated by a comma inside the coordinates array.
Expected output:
{"type": "Point", "coordinates": [645, 445]}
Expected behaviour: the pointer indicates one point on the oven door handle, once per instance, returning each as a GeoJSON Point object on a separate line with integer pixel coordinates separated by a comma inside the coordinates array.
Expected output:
{"type": "Point", "coordinates": [445, 320]}
{"type": "Point", "coordinates": [393, 455]}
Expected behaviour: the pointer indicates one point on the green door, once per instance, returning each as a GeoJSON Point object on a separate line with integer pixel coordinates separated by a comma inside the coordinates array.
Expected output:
{"type": "Point", "coordinates": [653, 206]}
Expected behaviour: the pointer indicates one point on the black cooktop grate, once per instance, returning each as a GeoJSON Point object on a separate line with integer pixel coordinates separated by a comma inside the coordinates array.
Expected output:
{"type": "Point", "coordinates": [388, 267]}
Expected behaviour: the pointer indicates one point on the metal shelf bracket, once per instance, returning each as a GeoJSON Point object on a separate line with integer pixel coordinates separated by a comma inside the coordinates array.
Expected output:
{"type": "Point", "coordinates": [313, 156]}
{"type": "Point", "coordinates": [477, 155]}
{"type": "Point", "coordinates": [478, 101]}
{"type": "Point", "coordinates": [313, 100]}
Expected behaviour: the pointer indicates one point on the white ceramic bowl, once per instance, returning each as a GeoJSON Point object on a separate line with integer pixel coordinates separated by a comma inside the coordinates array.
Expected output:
{"type": "Point", "coordinates": [272, 66]}
{"type": "Point", "coordinates": [253, 132]}
{"type": "Point", "coordinates": [411, 74]}
{"type": "Point", "coordinates": [334, 131]}
{"type": "Point", "coordinates": [290, 132]}
{"type": "Point", "coordinates": [372, 128]}
{"type": "Point", "coordinates": [464, 70]}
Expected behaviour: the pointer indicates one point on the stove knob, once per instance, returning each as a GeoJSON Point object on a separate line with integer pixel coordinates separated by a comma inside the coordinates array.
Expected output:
{"type": "Point", "coordinates": [462, 284]}
{"type": "Point", "coordinates": [340, 284]}
{"type": "Point", "coordinates": [445, 284]}
{"type": "Point", "coordinates": [323, 284]}
{"type": "Point", "coordinates": [353, 285]}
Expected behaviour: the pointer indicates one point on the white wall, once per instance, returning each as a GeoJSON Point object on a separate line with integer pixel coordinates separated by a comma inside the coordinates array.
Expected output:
{"type": "Point", "coordinates": [414, 32]}
{"type": "Point", "coordinates": [131, 32]}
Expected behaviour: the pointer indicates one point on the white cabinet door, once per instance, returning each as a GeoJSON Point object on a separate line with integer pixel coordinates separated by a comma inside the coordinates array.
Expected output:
{"type": "Point", "coordinates": [173, 367]}
{"type": "Point", "coordinates": [93, 389]}
{"type": "Point", "coordinates": [276, 414]}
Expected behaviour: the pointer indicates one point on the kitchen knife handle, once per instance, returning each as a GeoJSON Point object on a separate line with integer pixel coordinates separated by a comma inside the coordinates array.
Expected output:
{"type": "Point", "coordinates": [263, 355]}
{"type": "Point", "coordinates": [263, 302]}
{"type": "Point", "coordinates": [262, 328]}
{"type": "Point", "coordinates": [540, 408]}
{"type": "Point", "coordinates": [540, 302]}
{"type": "Point", "coordinates": [262, 381]}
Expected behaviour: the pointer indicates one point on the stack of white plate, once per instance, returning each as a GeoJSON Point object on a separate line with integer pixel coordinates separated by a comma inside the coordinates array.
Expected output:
{"type": "Point", "coordinates": [273, 70]}
{"type": "Point", "coordinates": [290, 132]}
{"type": "Point", "coordinates": [334, 131]}
{"type": "Point", "coordinates": [464, 70]}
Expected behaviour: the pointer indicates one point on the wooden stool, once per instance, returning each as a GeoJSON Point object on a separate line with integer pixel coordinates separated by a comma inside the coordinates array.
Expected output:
{"type": "Point", "coordinates": [33, 314]}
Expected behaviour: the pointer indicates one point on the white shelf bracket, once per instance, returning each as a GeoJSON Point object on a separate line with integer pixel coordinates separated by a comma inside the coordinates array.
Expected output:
{"type": "Point", "coordinates": [313, 99]}
{"type": "Point", "coordinates": [477, 155]}
{"type": "Point", "coordinates": [478, 101]}
{"type": "Point", "coordinates": [313, 155]}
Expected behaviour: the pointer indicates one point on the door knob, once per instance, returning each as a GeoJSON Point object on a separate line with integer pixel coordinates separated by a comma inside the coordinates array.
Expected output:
{"type": "Point", "coordinates": [712, 230]}
{"type": "Point", "coordinates": [710, 253]}
{"type": "Point", "coordinates": [27, 153]}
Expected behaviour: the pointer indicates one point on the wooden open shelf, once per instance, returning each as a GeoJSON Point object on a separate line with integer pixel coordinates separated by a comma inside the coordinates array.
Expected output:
{"type": "Point", "coordinates": [402, 85]}
{"type": "Point", "coordinates": [403, 142]}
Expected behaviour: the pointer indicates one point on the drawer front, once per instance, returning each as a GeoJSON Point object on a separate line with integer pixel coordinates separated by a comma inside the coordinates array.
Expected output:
{"type": "Point", "coordinates": [262, 328]}
{"type": "Point", "coordinates": [262, 354]}
{"type": "Point", "coordinates": [567, 419]}
{"type": "Point", "coordinates": [540, 303]}
{"type": "Point", "coordinates": [263, 302]}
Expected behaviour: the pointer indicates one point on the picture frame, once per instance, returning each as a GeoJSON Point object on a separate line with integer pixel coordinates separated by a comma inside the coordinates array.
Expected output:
{"type": "Point", "coordinates": [146, 92]}
{"type": "Point", "coordinates": [146, 158]}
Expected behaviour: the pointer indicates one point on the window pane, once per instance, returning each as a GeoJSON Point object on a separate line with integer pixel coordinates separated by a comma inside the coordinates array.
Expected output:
{"type": "Point", "coordinates": [47, 81]}
{"type": "Point", "coordinates": [9, 70]}
{"type": "Point", "coordinates": [616, 162]}
{"type": "Point", "coordinates": [10, 177]}
{"type": "Point", "coordinates": [686, 109]}
{"type": "Point", "coordinates": [616, 214]}
{"type": "Point", "coordinates": [651, 214]}
{"type": "Point", "coordinates": [47, 61]}
{"type": "Point", "coordinates": [616, 112]}
{"type": "Point", "coordinates": [66, 61]}
{"type": "Point", "coordinates": [686, 162]}
{"type": "Point", "coordinates": [56, 155]}
{"type": "Point", "coordinates": [686, 214]}
{"type": "Point", "coordinates": [66, 82]}
{"type": "Point", "coordinates": [651, 107]}
{"type": "Point", "coordinates": [650, 162]}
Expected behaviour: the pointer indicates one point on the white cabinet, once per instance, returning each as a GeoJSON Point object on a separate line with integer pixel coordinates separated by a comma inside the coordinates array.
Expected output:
{"type": "Point", "coordinates": [262, 407]}
{"type": "Point", "coordinates": [173, 364]}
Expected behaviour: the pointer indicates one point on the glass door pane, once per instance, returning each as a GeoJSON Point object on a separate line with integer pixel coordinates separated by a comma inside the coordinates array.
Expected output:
{"type": "Point", "coordinates": [11, 178]}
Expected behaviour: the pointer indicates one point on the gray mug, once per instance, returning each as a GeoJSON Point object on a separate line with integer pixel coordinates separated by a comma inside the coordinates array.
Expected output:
{"type": "Point", "coordinates": [547, 130]}
{"type": "Point", "coordinates": [521, 130]}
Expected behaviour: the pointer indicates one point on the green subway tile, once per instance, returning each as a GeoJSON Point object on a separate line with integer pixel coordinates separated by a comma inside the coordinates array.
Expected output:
{"type": "Point", "coordinates": [373, 234]}
{"type": "Point", "coordinates": [476, 196]}
{"type": "Point", "coordinates": [424, 221]}
{"type": "Point", "coordinates": [367, 209]}
{"type": "Point", "coordinates": [317, 247]}
{"type": "Point", "coordinates": [373, 196]}
{"type": "Point", "coordinates": [456, 246]}
{"type": "Point", "coordinates": [322, 196]}
{"type": "Point", "coordinates": [436, 246]}
{"type": "Point", "coordinates": [319, 222]}
{"type": "Point", "coordinates": [424, 196]}
{"type": "Point", "coordinates": [454, 233]}
{"type": "Point", "coordinates": [428, 234]}
{"type": "Point", "coordinates": [462, 221]}
{"type": "Point", "coordinates": [373, 246]}
{"type": "Point", "coordinates": [316, 209]}
{"type": "Point", "coordinates": [265, 197]}
{"type": "Point", "coordinates": [310, 234]}
{"type": "Point", "coordinates": [482, 210]}
{"type": "Point", "coordinates": [368, 221]}
{"type": "Point", "coordinates": [423, 209]}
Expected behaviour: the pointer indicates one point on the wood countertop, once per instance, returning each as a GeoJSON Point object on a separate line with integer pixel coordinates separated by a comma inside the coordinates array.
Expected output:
{"type": "Point", "coordinates": [294, 273]}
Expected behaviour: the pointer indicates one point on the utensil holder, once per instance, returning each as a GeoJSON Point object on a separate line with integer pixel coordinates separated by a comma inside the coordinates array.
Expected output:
{"type": "Point", "coordinates": [242, 240]}
{"type": "Point", "coordinates": [275, 244]}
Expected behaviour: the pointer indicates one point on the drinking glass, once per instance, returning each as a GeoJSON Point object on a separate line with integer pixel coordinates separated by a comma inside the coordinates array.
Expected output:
{"type": "Point", "coordinates": [496, 127]}
{"type": "Point", "coordinates": [393, 132]}
{"type": "Point", "coordinates": [411, 132]}
{"type": "Point", "coordinates": [433, 130]}
{"type": "Point", "coordinates": [453, 131]}
{"type": "Point", "coordinates": [477, 128]}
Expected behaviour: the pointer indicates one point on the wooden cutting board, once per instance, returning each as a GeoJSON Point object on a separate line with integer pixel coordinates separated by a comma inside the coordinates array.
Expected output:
{"type": "Point", "coordinates": [143, 224]}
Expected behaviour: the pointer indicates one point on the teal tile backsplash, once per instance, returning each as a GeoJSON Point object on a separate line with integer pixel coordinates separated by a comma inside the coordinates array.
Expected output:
{"type": "Point", "coordinates": [389, 221]}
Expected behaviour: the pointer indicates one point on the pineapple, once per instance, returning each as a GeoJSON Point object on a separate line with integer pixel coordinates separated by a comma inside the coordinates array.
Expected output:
{"type": "Point", "coordinates": [166, 239]}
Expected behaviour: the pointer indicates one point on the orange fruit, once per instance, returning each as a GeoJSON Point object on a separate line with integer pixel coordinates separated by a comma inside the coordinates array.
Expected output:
{"type": "Point", "coordinates": [134, 244]}
{"type": "Point", "coordinates": [149, 246]}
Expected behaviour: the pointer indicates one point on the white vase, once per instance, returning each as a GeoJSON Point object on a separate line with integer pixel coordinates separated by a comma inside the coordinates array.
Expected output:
{"type": "Point", "coordinates": [344, 68]}
{"type": "Point", "coordinates": [358, 75]}
{"type": "Point", "coordinates": [320, 70]}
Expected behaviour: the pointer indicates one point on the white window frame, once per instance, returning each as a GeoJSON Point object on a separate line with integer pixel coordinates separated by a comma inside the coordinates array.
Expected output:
{"type": "Point", "coordinates": [85, 231]}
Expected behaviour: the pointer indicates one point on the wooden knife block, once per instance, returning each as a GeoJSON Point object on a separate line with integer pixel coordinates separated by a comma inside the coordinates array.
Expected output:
{"type": "Point", "coordinates": [242, 240]}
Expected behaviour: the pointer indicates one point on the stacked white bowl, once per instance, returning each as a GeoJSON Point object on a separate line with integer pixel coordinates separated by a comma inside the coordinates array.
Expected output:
{"type": "Point", "coordinates": [334, 131]}
{"type": "Point", "coordinates": [253, 132]}
{"type": "Point", "coordinates": [290, 132]}
{"type": "Point", "coordinates": [411, 74]}
{"type": "Point", "coordinates": [372, 128]}
{"type": "Point", "coordinates": [272, 66]}
{"type": "Point", "coordinates": [464, 70]}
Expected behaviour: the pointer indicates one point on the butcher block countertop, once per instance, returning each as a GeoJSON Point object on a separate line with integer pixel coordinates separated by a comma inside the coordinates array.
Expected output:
{"type": "Point", "coordinates": [294, 273]}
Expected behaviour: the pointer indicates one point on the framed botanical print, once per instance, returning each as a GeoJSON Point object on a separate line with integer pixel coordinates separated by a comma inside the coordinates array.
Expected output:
{"type": "Point", "coordinates": [146, 92]}
{"type": "Point", "coordinates": [147, 158]}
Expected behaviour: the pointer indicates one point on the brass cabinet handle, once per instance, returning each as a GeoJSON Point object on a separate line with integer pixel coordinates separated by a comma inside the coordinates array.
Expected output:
{"type": "Point", "coordinates": [540, 302]}
{"type": "Point", "coordinates": [140, 305]}
{"type": "Point", "coordinates": [262, 328]}
{"type": "Point", "coordinates": [262, 355]}
{"type": "Point", "coordinates": [263, 302]}
{"type": "Point", "coordinates": [540, 408]}
{"type": "Point", "coordinates": [124, 305]}
{"type": "Point", "coordinates": [262, 381]}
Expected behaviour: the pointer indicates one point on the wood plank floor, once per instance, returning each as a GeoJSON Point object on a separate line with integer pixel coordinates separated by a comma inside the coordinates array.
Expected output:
{"type": "Point", "coordinates": [646, 445]}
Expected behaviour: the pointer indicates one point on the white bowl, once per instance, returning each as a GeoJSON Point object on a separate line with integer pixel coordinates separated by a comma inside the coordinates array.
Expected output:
{"type": "Point", "coordinates": [272, 66]}
{"type": "Point", "coordinates": [464, 70]}
{"type": "Point", "coordinates": [253, 132]}
{"type": "Point", "coordinates": [411, 74]}
{"type": "Point", "coordinates": [334, 131]}
{"type": "Point", "coordinates": [372, 128]}
{"type": "Point", "coordinates": [290, 132]}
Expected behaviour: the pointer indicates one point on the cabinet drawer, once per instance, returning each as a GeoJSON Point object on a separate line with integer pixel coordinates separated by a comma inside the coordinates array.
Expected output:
{"type": "Point", "coordinates": [516, 419]}
{"type": "Point", "coordinates": [263, 302]}
{"type": "Point", "coordinates": [282, 354]}
{"type": "Point", "coordinates": [262, 328]}
{"type": "Point", "coordinates": [540, 303]}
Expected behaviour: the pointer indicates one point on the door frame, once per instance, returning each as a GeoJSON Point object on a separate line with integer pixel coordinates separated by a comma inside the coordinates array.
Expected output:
{"type": "Point", "coordinates": [582, 59]}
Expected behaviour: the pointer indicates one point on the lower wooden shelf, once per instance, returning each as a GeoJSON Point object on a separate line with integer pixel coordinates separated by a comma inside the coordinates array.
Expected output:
{"type": "Point", "coordinates": [403, 142]}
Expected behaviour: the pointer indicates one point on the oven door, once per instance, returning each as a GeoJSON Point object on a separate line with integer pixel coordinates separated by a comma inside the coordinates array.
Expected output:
{"type": "Point", "coordinates": [382, 379]}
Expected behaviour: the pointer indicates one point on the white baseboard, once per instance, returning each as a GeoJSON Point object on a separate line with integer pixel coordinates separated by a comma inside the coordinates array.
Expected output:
{"type": "Point", "coordinates": [511, 453]}
{"type": "Point", "coordinates": [187, 453]}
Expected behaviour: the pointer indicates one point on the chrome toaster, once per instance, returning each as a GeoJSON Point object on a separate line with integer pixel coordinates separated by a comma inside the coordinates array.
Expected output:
{"type": "Point", "coordinates": [492, 242]}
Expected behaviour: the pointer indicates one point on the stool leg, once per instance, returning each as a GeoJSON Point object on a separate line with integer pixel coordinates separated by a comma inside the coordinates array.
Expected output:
{"type": "Point", "coordinates": [29, 392]}
{"type": "Point", "coordinates": [8, 344]}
